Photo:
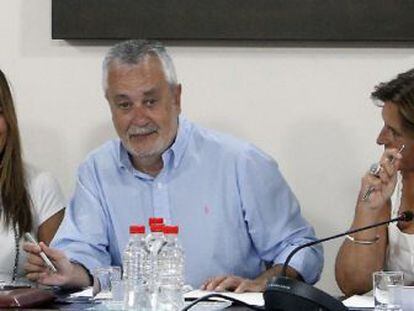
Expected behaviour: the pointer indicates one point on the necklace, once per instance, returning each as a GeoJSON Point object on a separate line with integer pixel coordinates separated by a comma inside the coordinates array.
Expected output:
{"type": "Point", "coordinates": [17, 253]}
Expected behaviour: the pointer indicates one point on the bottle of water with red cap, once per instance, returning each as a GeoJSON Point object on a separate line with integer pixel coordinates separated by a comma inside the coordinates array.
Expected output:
{"type": "Point", "coordinates": [170, 264]}
{"type": "Point", "coordinates": [155, 238]}
{"type": "Point", "coordinates": [134, 274]}
{"type": "Point", "coordinates": [154, 241]}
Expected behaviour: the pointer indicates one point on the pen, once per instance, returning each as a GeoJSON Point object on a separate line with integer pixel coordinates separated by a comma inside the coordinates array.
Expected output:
{"type": "Point", "coordinates": [399, 151]}
{"type": "Point", "coordinates": [42, 254]}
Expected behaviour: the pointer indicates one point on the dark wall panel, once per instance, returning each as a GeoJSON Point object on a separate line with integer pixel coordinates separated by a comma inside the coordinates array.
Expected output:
{"type": "Point", "coordinates": [264, 20]}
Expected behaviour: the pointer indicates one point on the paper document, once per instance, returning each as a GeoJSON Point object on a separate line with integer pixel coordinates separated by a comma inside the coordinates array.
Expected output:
{"type": "Point", "coordinates": [249, 298]}
{"type": "Point", "coordinates": [357, 301]}
{"type": "Point", "coordinates": [85, 293]}
{"type": "Point", "coordinates": [88, 293]}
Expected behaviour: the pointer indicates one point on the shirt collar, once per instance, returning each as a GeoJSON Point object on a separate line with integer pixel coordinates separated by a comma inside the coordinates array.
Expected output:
{"type": "Point", "coordinates": [181, 141]}
{"type": "Point", "coordinates": [176, 150]}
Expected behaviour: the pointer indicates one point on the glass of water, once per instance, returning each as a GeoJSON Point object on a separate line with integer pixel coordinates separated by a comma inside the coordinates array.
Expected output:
{"type": "Point", "coordinates": [387, 287]}
{"type": "Point", "coordinates": [107, 281]}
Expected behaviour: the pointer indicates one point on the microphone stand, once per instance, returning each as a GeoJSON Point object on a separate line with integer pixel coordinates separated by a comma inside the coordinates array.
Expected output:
{"type": "Point", "coordinates": [287, 294]}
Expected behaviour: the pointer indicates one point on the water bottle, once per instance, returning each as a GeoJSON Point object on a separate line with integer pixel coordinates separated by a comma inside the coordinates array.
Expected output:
{"type": "Point", "coordinates": [134, 275]}
{"type": "Point", "coordinates": [155, 238]}
{"type": "Point", "coordinates": [134, 234]}
{"type": "Point", "coordinates": [170, 263]}
{"type": "Point", "coordinates": [154, 241]}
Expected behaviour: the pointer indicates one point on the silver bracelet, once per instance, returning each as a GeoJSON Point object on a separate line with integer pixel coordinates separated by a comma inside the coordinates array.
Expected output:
{"type": "Point", "coordinates": [362, 242]}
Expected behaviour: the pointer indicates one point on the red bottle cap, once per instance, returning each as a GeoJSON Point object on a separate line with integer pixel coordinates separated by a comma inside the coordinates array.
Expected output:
{"type": "Point", "coordinates": [155, 220]}
{"type": "Point", "coordinates": [170, 229]}
{"type": "Point", "coordinates": [136, 229]}
{"type": "Point", "coordinates": [157, 227]}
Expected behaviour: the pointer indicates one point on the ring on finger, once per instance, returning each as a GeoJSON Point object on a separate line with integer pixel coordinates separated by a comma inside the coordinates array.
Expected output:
{"type": "Point", "coordinates": [375, 169]}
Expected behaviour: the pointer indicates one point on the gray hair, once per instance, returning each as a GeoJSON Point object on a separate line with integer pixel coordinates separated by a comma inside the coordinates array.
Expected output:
{"type": "Point", "coordinates": [133, 51]}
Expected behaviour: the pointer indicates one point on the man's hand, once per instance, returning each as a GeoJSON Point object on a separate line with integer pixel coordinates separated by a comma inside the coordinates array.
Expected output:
{"type": "Point", "coordinates": [234, 283]}
{"type": "Point", "coordinates": [68, 274]}
{"type": "Point", "coordinates": [241, 285]}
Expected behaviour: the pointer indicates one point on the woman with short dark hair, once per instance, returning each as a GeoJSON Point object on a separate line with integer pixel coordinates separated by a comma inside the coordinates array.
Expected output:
{"type": "Point", "coordinates": [387, 190]}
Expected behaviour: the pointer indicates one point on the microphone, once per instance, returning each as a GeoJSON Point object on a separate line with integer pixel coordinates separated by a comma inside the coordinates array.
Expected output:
{"type": "Point", "coordinates": [286, 294]}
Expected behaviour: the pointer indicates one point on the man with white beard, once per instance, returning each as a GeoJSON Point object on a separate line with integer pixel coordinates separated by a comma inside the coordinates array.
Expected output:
{"type": "Point", "coordinates": [238, 218]}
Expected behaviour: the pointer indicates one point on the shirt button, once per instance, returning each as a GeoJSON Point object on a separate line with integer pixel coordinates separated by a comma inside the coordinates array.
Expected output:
{"type": "Point", "coordinates": [159, 185]}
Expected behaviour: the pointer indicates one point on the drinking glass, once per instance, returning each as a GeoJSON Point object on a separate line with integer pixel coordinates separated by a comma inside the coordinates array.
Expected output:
{"type": "Point", "coordinates": [387, 286]}
{"type": "Point", "coordinates": [107, 281]}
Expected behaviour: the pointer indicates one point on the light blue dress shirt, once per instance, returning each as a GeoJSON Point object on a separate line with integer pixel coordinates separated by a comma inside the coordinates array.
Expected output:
{"type": "Point", "coordinates": [234, 208]}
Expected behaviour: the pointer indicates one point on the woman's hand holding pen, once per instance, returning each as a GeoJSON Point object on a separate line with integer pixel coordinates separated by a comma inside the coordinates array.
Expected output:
{"type": "Point", "coordinates": [68, 274]}
{"type": "Point", "coordinates": [379, 182]}
{"type": "Point", "coordinates": [37, 270]}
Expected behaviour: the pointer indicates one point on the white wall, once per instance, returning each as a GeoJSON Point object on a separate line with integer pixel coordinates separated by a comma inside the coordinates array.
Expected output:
{"type": "Point", "coordinates": [307, 107]}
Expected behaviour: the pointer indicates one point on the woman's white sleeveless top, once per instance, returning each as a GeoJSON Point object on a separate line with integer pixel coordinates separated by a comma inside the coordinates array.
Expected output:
{"type": "Point", "coordinates": [400, 254]}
